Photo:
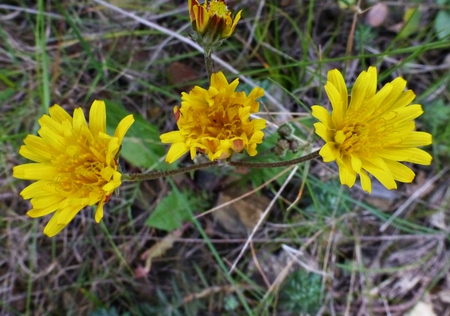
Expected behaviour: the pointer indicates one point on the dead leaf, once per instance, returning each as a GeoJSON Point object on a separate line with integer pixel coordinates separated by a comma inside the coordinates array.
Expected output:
{"type": "Point", "coordinates": [444, 296]}
{"type": "Point", "coordinates": [158, 250]}
{"type": "Point", "coordinates": [377, 14]}
{"type": "Point", "coordinates": [242, 215]}
{"type": "Point", "coordinates": [140, 272]}
{"type": "Point", "coordinates": [422, 309]}
{"type": "Point", "coordinates": [346, 4]}
{"type": "Point", "coordinates": [179, 74]}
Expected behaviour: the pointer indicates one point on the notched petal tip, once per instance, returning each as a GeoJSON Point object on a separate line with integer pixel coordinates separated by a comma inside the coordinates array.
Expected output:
{"type": "Point", "coordinates": [97, 117]}
{"type": "Point", "coordinates": [123, 127]}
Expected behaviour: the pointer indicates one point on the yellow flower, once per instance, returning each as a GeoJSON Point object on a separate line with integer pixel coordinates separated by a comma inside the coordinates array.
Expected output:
{"type": "Point", "coordinates": [212, 21]}
{"type": "Point", "coordinates": [216, 121]}
{"type": "Point", "coordinates": [75, 164]}
{"type": "Point", "coordinates": [372, 132]}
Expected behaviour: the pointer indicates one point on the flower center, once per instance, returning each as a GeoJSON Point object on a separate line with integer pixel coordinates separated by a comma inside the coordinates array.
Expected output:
{"type": "Point", "coordinates": [353, 138]}
{"type": "Point", "coordinates": [224, 122]}
{"type": "Point", "coordinates": [218, 8]}
{"type": "Point", "coordinates": [79, 169]}
{"type": "Point", "coordinates": [364, 135]}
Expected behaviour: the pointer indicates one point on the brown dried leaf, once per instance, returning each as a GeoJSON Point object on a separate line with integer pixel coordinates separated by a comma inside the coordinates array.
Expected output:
{"type": "Point", "coordinates": [242, 215]}
{"type": "Point", "coordinates": [444, 296]}
{"type": "Point", "coordinates": [158, 250]}
{"type": "Point", "coordinates": [377, 14]}
{"type": "Point", "coordinates": [422, 309]}
{"type": "Point", "coordinates": [179, 73]}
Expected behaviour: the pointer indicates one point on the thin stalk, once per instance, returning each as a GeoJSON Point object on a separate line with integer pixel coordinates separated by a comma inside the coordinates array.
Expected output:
{"type": "Point", "coordinates": [208, 62]}
{"type": "Point", "coordinates": [130, 177]}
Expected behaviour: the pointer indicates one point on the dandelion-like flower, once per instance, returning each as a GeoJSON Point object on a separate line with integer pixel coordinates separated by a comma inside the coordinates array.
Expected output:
{"type": "Point", "coordinates": [212, 21]}
{"type": "Point", "coordinates": [372, 132]}
{"type": "Point", "coordinates": [216, 121]}
{"type": "Point", "coordinates": [75, 164]}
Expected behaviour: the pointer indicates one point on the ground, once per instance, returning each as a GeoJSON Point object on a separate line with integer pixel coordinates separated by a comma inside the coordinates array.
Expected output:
{"type": "Point", "coordinates": [319, 248]}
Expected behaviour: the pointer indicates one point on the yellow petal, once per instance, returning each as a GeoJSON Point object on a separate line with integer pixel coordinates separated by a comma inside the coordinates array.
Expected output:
{"type": "Point", "coordinates": [35, 171]}
{"type": "Point", "coordinates": [384, 176]}
{"type": "Point", "coordinates": [39, 188]}
{"type": "Point", "coordinates": [356, 163]}
{"type": "Point", "coordinates": [400, 172]}
{"type": "Point", "coordinates": [53, 124]}
{"type": "Point", "coordinates": [113, 183]}
{"type": "Point", "coordinates": [78, 119]}
{"type": "Point", "coordinates": [201, 18]}
{"type": "Point", "coordinates": [33, 155]}
{"type": "Point", "coordinates": [340, 137]}
{"type": "Point", "coordinates": [172, 137]}
{"type": "Point", "coordinates": [236, 19]}
{"type": "Point", "coordinates": [366, 183]}
{"type": "Point", "coordinates": [57, 142]}
{"type": "Point", "coordinates": [414, 155]}
{"type": "Point", "coordinates": [377, 101]}
{"type": "Point", "coordinates": [372, 88]}
{"type": "Point", "coordinates": [320, 113]}
{"type": "Point", "coordinates": [97, 117]}
{"type": "Point", "coordinates": [34, 213]}
{"type": "Point", "coordinates": [43, 201]}
{"type": "Point", "coordinates": [176, 151]}
{"type": "Point", "coordinates": [259, 124]}
{"type": "Point", "coordinates": [415, 139]}
{"type": "Point", "coordinates": [323, 132]}
{"type": "Point", "coordinates": [191, 5]}
{"type": "Point", "coordinates": [218, 79]}
{"type": "Point", "coordinates": [60, 220]}
{"type": "Point", "coordinates": [346, 174]}
{"type": "Point", "coordinates": [397, 86]}
{"type": "Point", "coordinates": [123, 127]}
{"type": "Point", "coordinates": [363, 85]}
{"type": "Point", "coordinates": [408, 113]}
{"type": "Point", "coordinates": [404, 99]}
{"type": "Point", "coordinates": [67, 214]}
{"type": "Point", "coordinates": [256, 93]}
{"type": "Point", "coordinates": [99, 212]}
{"type": "Point", "coordinates": [329, 152]}
{"type": "Point", "coordinates": [59, 114]}
{"type": "Point", "coordinates": [337, 80]}
{"type": "Point", "coordinates": [337, 103]}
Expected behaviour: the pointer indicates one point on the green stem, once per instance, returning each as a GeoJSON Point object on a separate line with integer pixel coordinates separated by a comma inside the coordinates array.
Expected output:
{"type": "Point", "coordinates": [162, 174]}
{"type": "Point", "coordinates": [278, 164]}
{"type": "Point", "coordinates": [208, 62]}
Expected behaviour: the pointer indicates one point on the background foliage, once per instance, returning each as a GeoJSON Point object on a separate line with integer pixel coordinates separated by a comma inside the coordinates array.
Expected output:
{"type": "Point", "coordinates": [322, 249]}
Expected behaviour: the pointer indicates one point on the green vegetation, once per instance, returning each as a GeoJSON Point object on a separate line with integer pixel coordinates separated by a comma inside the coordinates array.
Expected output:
{"type": "Point", "coordinates": [138, 57]}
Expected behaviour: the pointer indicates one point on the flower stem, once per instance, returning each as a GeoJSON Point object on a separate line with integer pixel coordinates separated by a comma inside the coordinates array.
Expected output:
{"type": "Point", "coordinates": [208, 62]}
{"type": "Point", "coordinates": [278, 164]}
{"type": "Point", "coordinates": [162, 174]}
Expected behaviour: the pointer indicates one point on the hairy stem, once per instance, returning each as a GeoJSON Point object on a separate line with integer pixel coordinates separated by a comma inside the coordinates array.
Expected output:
{"type": "Point", "coordinates": [209, 62]}
{"type": "Point", "coordinates": [162, 174]}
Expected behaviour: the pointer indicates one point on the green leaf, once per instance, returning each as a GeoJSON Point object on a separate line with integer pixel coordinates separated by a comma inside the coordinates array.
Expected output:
{"type": "Point", "coordinates": [443, 2]}
{"type": "Point", "coordinates": [171, 212]}
{"type": "Point", "coordinates": [141, 145]}
{"type": "Point", "coordinates": [412, 22]}
{"type": "Point", "coordinates": [442, 24]}
{"type": "Point", "coordinates": [7, 93]}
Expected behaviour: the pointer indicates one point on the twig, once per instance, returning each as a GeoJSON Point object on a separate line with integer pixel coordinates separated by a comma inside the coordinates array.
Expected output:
{"type": "Point", "coordinates": [412, 198]}
{"type": "Point", "coordinates": [263, 216]}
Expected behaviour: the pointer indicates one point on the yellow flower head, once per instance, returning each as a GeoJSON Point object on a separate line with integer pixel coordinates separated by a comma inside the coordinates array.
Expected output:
{"type": "Point", "coordinates": [212, 21]}
{"type": "Point", "coordinates": [216, 121]}
{"type": "Point", "coordinates": [75, 164]}
{"type": "Point", "coordinates": [372, 132]}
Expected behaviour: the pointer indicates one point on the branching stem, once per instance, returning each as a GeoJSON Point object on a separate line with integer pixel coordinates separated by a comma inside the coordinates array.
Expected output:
{"type": "Point", "coordinates": [162, 174]}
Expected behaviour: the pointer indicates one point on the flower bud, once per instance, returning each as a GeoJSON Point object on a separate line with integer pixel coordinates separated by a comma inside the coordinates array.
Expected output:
{"type": "Point", "coordinates": [212, 22]}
